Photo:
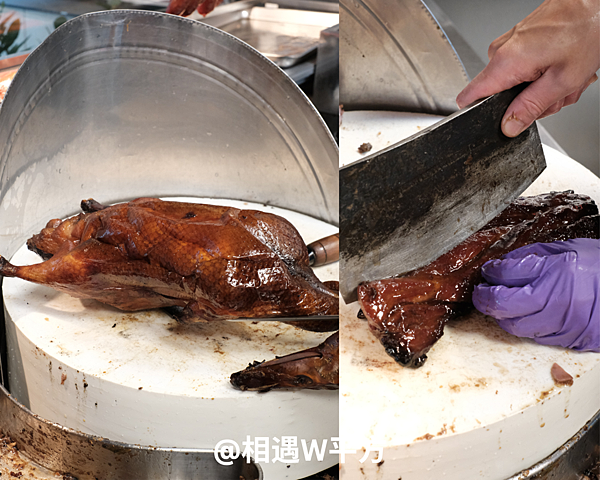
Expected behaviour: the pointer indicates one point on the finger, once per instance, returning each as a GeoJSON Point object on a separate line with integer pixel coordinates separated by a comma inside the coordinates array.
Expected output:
{"type": "Point", "coordinates": [589, 339]}
{"type": "Point", "coordinates": [507, 68]}
{"type": "Point", "coordinates": [593, 79]}
{"type": "Point", "coordinates": [527, 311]}
{"type": "Point", "coordinates": [501, 40]}
{"type": "Point", "coordinates": [572, 324]}
{"type": "Point", "coordinates": [514, 272]}
{"type": "Point", "coordinates": [552, 109]}
{"type": "Point", "coordinates": [547, 249]}
{"type": "Point", "coordinates": [531, 103]}
{"type": "Point", "coordinates": [507, 303]}
{"type": "Point", "coordinates": [549, 329]}
{"type": "Point", "coordinates": [574, 97]}
{"type": "Point", "coordinates": [573, 333]}
{"type": "Point", "coordinates": [492, 79]}
{"type": "Point", "coordinates": [570, 99]}
{"type": "Point", "coordinates": [549, 278]}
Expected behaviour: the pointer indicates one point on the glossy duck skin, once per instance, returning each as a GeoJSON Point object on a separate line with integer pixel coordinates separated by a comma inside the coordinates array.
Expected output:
{"type": "Point", "coordinates": [315, 368]}
{"type": "Point", "coordinates": [202, 261]}
{"type": "Point", "coordinates": [408, 313]}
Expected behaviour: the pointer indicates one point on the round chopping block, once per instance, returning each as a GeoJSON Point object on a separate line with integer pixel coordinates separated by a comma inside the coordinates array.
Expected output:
{"type": "Point", "coordinates": [484, 405]}
{"type": "Point", "coordinates": [142, 378]}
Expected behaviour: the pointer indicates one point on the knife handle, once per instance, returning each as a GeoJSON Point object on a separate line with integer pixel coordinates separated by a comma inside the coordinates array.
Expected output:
{"type": "Point", "coordinates": [324, 251]}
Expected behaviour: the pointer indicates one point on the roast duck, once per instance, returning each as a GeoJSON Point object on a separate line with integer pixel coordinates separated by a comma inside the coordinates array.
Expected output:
{"type": "Point", "coordinates": [408, 313]}
{"type": "Point", "coordinates": [315, 368]}
{"type": "Point", "coordinates": [199, 262]}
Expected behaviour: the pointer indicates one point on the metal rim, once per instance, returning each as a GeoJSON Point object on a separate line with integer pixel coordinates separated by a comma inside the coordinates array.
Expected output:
{"type": "Point", "coordinates": [67, 451]}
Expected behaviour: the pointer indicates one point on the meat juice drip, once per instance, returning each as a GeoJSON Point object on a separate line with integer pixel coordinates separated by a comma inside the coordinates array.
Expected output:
{"type": "Point", "coordinates": [408, 313]}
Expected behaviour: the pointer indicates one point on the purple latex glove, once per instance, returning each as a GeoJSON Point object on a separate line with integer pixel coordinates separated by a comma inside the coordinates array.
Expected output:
{"type": "Point", "coordinates": [546, 291]}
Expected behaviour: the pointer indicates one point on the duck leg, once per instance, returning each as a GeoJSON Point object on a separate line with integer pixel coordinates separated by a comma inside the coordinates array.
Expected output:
{"type": "Point", "coordinates": [315, 368]}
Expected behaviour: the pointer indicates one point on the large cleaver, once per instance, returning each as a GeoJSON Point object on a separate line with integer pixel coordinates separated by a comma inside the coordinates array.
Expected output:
{"type": "Point", "coordinates": [404, 206]}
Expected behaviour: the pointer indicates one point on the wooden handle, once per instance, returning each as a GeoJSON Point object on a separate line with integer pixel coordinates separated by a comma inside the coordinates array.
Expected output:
{"type": "Point", "coordinates": [324, 251]}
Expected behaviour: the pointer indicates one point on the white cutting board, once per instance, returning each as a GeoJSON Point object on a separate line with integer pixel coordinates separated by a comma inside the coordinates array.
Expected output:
{"type": "Point", "coordinates": [484, 405]}
{"type": "Point", "coordinates": [141, 378]}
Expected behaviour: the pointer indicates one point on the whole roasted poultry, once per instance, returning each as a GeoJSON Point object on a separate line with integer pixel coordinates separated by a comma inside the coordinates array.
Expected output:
{"type": "Point", "coordinates": [199, 262]}
{"type": "Point", "coordinates": [203, 261]}
{"type": "Point", "coordinates": [408, 313]}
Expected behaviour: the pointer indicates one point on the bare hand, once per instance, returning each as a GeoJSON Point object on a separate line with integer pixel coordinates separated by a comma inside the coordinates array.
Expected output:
{"type": "Point", "coordinates": [557, 48]}
{"type": "Point", "coordinates": [186, 7]}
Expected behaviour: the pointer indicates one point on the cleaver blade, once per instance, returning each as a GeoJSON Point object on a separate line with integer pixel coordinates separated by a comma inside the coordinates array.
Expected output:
{"type": "Point", "coordinates": [402, 207]}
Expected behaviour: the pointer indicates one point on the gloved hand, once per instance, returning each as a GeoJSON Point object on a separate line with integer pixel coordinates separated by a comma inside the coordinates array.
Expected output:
{"type": "Point", "coordinates": [546, 291]}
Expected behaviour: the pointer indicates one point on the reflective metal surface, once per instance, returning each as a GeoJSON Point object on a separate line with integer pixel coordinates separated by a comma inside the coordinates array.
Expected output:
{"type": "Point", "coordinates": [272, 38]}
{"type": "Point", "coordinates": [285, 36]}
{"type": "Point", "coordinates": [68, 452]}
{"type": "Point", "coordinates": [567, 463]}
{"type": "Point", "coordinates": [121, 104]}
{"type": "Point", "coordinates": [327, 72]}
{"type": "Point", "coordinates": [395, 56]}
{"type": "Point", "coordinates": [413, 201]}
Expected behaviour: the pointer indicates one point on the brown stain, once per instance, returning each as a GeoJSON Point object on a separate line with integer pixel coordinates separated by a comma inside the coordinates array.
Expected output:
{"type": "Point", "coordinates": [217, 348]}
{"type": "Point", "coordinates": [427, 436]}
{"type": "Point", "coordinates": [128, 317]}
{"type": "Point", "coordinates": [502, 368]}
{"type": "Point", "coordinates": [476, 325]}
{"type": "Point", "coordinates": [454, 388]}
{"type": "Point", "coordinates": [377, 363]}
{"type": "Point", "coordinates": [544, 394]}
{"type": "Point", "coordinates": [12, 465]}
